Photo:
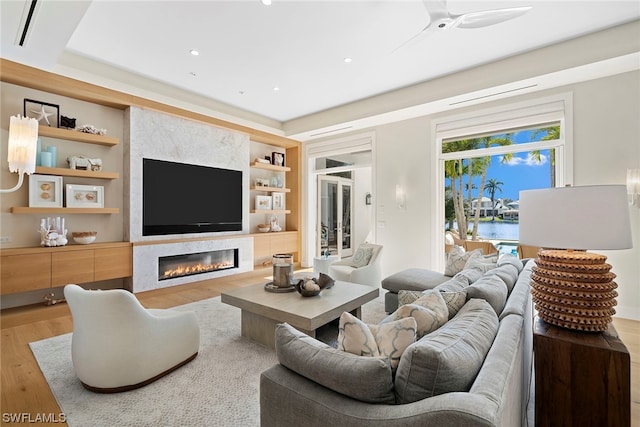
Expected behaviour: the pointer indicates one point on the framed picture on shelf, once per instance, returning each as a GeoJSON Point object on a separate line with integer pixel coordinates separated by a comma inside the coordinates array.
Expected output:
{"type": "Point", "coordinates": [85, 196]}
{"type": "Point", "coordinates": [45, 191]}
{"type": "Point", "coordinates": [263, 203]}
{"type": "Point", "coordinates": [277, 159]}
{"type": "Point", "coordinates": [278, 201]}
{"type": "Point", "coordinates": [46, 114]}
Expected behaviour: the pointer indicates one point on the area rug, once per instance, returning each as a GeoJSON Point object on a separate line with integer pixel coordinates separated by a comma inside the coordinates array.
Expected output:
{"type": "Point", "coordinates": [220, 387]}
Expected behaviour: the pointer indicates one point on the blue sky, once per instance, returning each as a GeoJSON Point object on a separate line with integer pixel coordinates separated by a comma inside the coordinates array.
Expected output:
{"type": "Point", "coordinates": [520, 173]}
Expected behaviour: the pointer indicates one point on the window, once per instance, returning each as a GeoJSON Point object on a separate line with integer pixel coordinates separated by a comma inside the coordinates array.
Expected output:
{"type": "Point", "coordinates": [485, 158]}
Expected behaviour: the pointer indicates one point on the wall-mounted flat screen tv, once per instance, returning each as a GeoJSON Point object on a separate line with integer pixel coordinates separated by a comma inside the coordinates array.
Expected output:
{"type": "Point", "coordinates": [180, 198]}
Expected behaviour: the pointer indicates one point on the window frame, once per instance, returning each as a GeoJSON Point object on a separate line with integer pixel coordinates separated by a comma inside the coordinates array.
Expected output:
{"type": "Point", "coordinates": [534, 113]}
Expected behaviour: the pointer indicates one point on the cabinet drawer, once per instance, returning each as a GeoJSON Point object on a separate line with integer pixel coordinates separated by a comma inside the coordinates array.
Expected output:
{"type": "Point", "coordinates": [262, 246]}
{"type": "Point", "coordinates": [72, 267]}
{"type": "Point", "coordinates": [113, 263]}
{"type": "Point", "coordinates": [23, 273]}
{"type": "Point", "coordinates": [286, 242]}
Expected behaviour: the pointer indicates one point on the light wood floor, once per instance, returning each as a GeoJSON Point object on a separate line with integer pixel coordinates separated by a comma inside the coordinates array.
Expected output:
{"type": "Point", "coordinates": [24, 389]}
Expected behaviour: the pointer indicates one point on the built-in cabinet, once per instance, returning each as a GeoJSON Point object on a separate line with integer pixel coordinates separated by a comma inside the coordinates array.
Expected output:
{"type": "Point", "coordinates": [72, 135]}
{"type": "Point", "coordinates": [29, 269]}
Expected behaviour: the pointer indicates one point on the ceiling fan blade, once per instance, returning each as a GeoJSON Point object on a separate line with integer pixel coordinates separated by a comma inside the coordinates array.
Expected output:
{"type": "Point", "coordinates": [422, 34]}
{"type": "Point", "coordinates": [488, 17]}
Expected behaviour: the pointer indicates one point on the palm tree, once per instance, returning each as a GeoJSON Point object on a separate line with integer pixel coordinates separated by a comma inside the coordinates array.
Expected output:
{"type": "Point", "coordinates": [550, 134]}
{"type": "Point", "coordinates": [492, 186]}
{"type": "Point", "coordinates": [483, 163]}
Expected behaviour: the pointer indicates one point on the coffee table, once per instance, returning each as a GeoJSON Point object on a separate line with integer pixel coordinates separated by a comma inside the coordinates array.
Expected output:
{"type": "Point", "coordinates": [262, 310]}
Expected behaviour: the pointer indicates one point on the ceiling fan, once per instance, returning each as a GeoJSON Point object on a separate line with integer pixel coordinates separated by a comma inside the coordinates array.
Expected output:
{"type": "Point", "coordinates": [441, 19]}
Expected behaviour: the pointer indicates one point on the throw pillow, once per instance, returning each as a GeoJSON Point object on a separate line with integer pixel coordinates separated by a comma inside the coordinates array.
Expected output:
{"type": "Point", "coordinates": [388, 339]}
{"type": "Point", "coordinates": [407, 297]}
{"type": "Point", "coordinates": [454, 301]}
{"type": "Point", "coordinates": [449, 359]}
{"type": "Point", "coordinates": [430, 312]}
{"type": "Point", "coordinates": [456, 260]}
{"type": "Point", "coordinates": [361, 257]}
{"type": "Point", "coordinates": [368, 379]}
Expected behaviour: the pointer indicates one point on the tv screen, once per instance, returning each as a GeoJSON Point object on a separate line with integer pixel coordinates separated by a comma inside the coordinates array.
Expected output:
{"type": "Point", "coordinates": [181, 198]}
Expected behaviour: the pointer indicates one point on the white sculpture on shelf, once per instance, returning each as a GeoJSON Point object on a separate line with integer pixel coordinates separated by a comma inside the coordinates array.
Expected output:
{"type": "Point", "coordinates": [52, 232]}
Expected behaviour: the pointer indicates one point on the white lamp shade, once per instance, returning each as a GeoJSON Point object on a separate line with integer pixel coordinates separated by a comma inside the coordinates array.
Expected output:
{"type": "Point", "coordinates": [22, 146]}
{"type": "Point", "coordinates": [589, 217]}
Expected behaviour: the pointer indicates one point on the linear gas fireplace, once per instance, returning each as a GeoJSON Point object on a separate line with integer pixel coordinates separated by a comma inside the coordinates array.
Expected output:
{"type": "Point", "coordinates": [171, 267]}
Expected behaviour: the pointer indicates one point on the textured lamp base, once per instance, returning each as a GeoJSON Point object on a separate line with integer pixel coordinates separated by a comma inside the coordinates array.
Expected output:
{"type": "Point", "coordinates": [574, 289]}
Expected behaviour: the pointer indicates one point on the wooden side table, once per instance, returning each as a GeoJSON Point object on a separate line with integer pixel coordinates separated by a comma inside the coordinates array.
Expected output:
{"type": "Point", "coordinates": [581, 378]}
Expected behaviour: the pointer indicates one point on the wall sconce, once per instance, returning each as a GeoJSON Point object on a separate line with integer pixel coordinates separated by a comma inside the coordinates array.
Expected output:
{"type": "Point", "coordinates": [633, 187]}
{"type": "Point", "coordinates": [22, 147]}
{"type": "Point", "coordinates": [367, 199]}
{"type": "Point", "coordinates": [401, 200]}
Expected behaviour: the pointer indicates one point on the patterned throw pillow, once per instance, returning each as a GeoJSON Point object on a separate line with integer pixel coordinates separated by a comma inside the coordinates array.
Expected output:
{"type": "Point", "coordinates": [430, 312]}
{"type": "Point", "coordinates": [456, 260]}
{"type": "Point", "coordinates": [408, 297]}
{"type": "Point", "coordinates": [388, 340]}
{"type": "Point", "coordinates": [361, 257]}
{"type": "Point", "coordinates": [454, 301]}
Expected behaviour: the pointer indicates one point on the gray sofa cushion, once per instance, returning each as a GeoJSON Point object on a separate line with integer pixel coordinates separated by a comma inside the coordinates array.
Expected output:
{"type": "Point", "coordinates": [456, 284]}
{"type": "Point", "coordinates": [449, 358]}
{"type": "Point", "coordinates": [520, 295]}
{"type": "Point", "coordinates": [368, 379]}
{"type": "Point", "coordinates": [508, 273]}
{"type": "Point", "coordinates": [413, 279]}
{"type": "Point", "coordinates": [492, 289]}
{"type": "Point", "coordinates": [510, 259]}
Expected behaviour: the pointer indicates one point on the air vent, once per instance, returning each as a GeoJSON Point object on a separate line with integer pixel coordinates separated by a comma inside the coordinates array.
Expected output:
{"type": "Point", "coordinates": [26, 23]}
{"type": "Point", "coordinates": [493, 94]}
{"type": "Point", "coordinates": [331, 131]}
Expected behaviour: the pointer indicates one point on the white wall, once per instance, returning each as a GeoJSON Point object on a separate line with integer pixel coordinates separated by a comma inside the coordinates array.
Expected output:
{"type": "Point", "coordinates": [606, 143]}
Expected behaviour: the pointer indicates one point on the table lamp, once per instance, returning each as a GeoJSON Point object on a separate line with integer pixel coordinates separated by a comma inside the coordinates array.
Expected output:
{"type": "Point", "coordinates": [570, 287]}
{"type": "Point", "coordinates": [22, 147]}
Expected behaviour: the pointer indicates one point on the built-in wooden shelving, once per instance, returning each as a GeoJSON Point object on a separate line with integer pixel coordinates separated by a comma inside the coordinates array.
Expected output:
{"type": "Point", "coordinates": [77, 172]}
{"type": "Point", "coordinates": [63, 211]}
{"type": "Point", "coordinates": [270, 167]}
{"type": "Point", "coordinates": [74, 135]}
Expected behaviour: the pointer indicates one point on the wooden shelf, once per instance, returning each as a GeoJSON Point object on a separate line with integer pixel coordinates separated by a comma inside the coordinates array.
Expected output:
{"type": "Point", "coordinates": [77, 172]}
{"type": "Point", "coordinates": [64, 211]}
{"type": "Point", "coordinates": [74, 135]}
{"type": "Point", "coordinates": [270, 189]}
{"type": "Point", "coordinates": [270, 211]}
{"type": "Point", "coordinates": [270, 167]}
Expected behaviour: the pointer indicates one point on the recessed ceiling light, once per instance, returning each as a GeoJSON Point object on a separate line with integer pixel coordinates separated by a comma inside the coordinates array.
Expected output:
{"type": "Point", "coordinates": [347, 59]}
{"type": "Point", "coordinates": [194, 52]}
{"type": "Point", "coordinates": [266, 2]}
{"type": "Point", "coordinates": [276, 88]}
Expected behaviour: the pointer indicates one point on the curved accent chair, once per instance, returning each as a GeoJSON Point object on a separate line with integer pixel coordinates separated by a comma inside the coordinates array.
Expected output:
{"type": "Point", "coordinates": [350, 270]}
{"type": "Point", "coordinates": [118, 345]}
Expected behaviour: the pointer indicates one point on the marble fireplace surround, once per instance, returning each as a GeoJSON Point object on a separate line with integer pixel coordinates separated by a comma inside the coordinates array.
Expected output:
{"type": "Point", "coordinates": [150, 134]}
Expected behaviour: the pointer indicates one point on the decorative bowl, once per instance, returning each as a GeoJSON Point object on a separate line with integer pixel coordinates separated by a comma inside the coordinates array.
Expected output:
{"type": "Point", "coordinates": [264, 228]}
{"type": "Point", "coordinates": [84, 237]}
{"type": "Point", "coordinates": [302, 283]}
{"type": "Point", "coordinates": [310, 286]}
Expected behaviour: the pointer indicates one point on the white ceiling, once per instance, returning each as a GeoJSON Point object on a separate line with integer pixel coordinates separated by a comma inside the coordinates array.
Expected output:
{"type": "Point", "coordinates": [247, 49]}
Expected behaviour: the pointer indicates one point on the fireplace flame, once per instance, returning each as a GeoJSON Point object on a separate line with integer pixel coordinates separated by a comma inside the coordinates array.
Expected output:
{"type": "Point", "coordinates": [188, 269]}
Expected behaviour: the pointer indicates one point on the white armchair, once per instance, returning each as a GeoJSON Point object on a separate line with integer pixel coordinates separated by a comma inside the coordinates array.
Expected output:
{"type": "Point", "coordinates": [348, 269]}
{"type": "Point", "coordinates": [118, 345]}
